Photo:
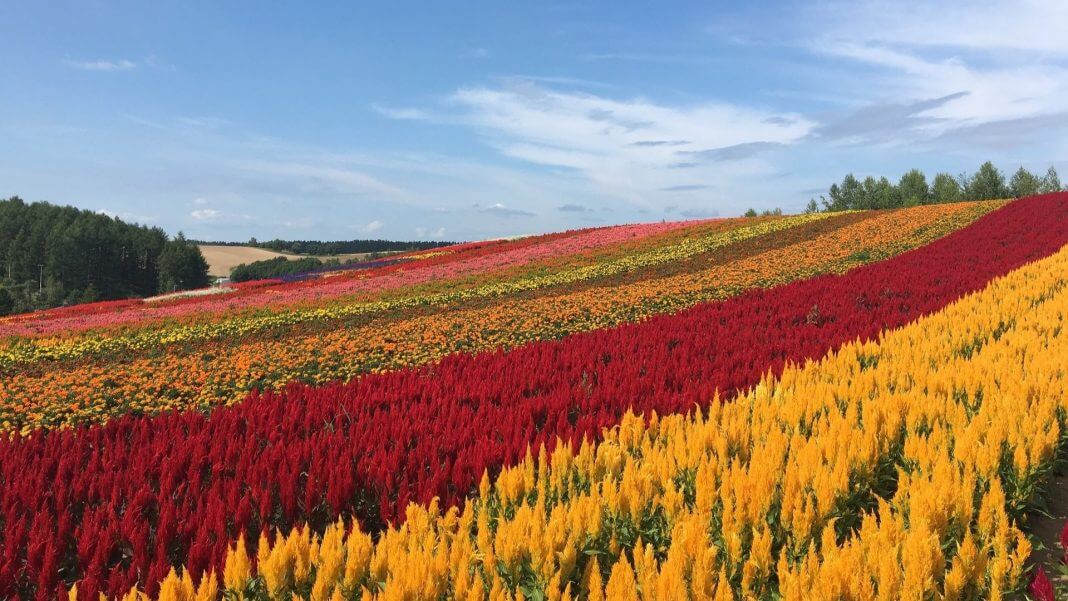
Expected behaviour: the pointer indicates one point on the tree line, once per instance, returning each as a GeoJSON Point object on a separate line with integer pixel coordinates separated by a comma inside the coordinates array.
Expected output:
{"type": "Point", "coordinates": [276, 267]}
{"type": "Point", "coordinates": [53, 255]}
{"type": "Point", "coordinates": [337, 247]}
{"type": "Point", "coordinates": [912, 189]}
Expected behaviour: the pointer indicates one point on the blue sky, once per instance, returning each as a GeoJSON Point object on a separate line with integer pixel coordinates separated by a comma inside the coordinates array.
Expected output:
{"type": "Point", "coordinates": [470, 120]}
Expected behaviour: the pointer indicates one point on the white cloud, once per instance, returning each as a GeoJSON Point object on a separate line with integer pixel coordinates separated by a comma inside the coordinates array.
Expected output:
{"type": "Point", "coordinates": [1028, 26]}
{"type": "Point", "coordinates": [1002, 60]}
{"type": "Point", "coordinates": [402, 113]}
{"type": "Point", "coordinates": [204, 214]}
{"type": "Point", "coordinates": [371, 227]}
{"type": "Point", "coordinates": [500, 210]}
{"type": "Point", "coordinates": [101, 65]}
{"type": "Point", "coordinates": [200, 201]}
{"type": "Point", "coordinates": [625, 148]}
{"type": "Point", "coordinates": [320, 177]}
{"type": "Point", "coordinates": [127, 216]}
{"type": "Point", "coordinates": [424, 233]}
{"type": "Point", "coordinates": [993, 92]}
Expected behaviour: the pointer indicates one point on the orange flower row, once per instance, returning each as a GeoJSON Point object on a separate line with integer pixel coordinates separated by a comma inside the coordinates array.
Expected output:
{"type": "Point", "coordinates": [223, 372]}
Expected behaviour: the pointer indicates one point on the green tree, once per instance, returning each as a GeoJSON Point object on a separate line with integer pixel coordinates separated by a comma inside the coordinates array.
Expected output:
{"type": "Point", "coordinates": [913, 189]}
{"type": "Point", "coordinates": [751, 212]}
{"type": "Point", "coordinates": [877, 194]}
{"type": "Point", "coordinates": [181, 266]}
{"type": "Point", "coordinates": [1050, 182]}
{"type": "Point", "coordinates": [1024, 183]}
{"type": "Point", "coordinates": [7, 301]}
{"type": "Point", "coordinates": [844, 197]}
{"type": "Point", "coordinates": [987, 184]}
{"type": "Point", "coordinates": [812, 206]}
{"type": "Point", "coordinates": [945, 188]}
{"type": "Point", "coordinates": [276, 267]}
{"type": "Point", "coordinates": [73, 255]}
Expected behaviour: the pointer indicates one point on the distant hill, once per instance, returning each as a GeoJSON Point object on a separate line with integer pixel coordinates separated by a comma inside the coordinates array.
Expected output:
{"type": "Point", "coordinates": [331, 248]}
{"type": "Point", "coordinates": [223, 258]}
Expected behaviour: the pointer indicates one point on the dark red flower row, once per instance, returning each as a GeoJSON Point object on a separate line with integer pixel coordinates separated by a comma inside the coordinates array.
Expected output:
{"type": "Point", "coordinates": [120, 504]}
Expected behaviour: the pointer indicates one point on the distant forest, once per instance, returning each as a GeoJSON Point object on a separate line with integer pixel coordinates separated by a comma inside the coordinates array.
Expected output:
{"type": "Point", "coordinates": [53, 255]}
{"type": "Point", "coordinates": [340, 247]}
{"type": "Point", "coordinates": [277, 267]}
{"type": "Point", "coordinates": [913, 189]}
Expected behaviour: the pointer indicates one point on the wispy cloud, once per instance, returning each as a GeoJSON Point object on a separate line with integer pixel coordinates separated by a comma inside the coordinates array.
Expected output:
{"type": "Point", "coordinates": [625, 148]}
{"type": "Point", "coordinates": [734, 152]}
{"type": "Point", "coordinates": [1010, 133]}
{"type": "Point", "coordinates": [573, 208]}
{"type": "Point", "coordinates": [685, 188]}
{"type": "Point", "coordinates": [403, 113]}
{"type": "Point", "coordinates": [320, 177]}
{"type": "Point", "coordinates": [129, 216]}
{"type": "Point", "coordinates": [951, 65]}
{"type": "Point", "coordinates": [371, 227]}
{"type": "Point", "coordinates": [476, 53]}
{"type": "Point", "coordinates": [205, 214]}
{"type": "Point", "coordinates": [422, 232]}
{"type": "Point", "coordinates": [645, 57]}
{"type": "Point", "coordinates": [1032, 26]}
{"type": "Point", "coordinates": [500, 210]}
{"type": "Point", "coordinates": [653, 143]}
{"type": "Point", "coordinates": [885, 120]}
{"type": "Point", "coordinates": [101, 65]}
{"type": "Point", "coordinates": [555, 80]}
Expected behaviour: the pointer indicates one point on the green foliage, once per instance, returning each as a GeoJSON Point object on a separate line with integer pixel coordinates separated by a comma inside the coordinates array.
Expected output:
{"type": "Point", "coordinates": [945, 188]}
{"type": "Point", "coordinates": [844, 197]}
{"type": "Point", "coordinates": [986, 184]}
{"type": "Point", "coordinates": [52, 255]}
{"type": "Point", "coordinates": [880, 194]}
{"type": "Point", "coordinates": [812, 206]}
{"type": "Point", "coordinates": [340, 247]}
{"type": "Point", "coordinates": [1024, 183]}
{"type": "Point", "coordinates": [751, 212]}
{"type": "Point", "coordinates": [181, 266]}
{"type": "Point", "coordinates": [1050, 182]}
{"type": "Point", "coordinates": [913, 189]}
{"type": "Point", "coordinates": [273, 268]}
{"type": "Point", "coordinates": [7, 301]}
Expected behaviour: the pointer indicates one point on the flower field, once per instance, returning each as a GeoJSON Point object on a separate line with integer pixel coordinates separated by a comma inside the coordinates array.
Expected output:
{"type": "Point", "coordinates": [857, 405]}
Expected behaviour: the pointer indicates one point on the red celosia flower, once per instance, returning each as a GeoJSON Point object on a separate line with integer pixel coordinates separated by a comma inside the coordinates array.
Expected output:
{"type": "Point", "coordinates": [118, 504]}
{"type": "Point", "coordinates": [1041, 588]}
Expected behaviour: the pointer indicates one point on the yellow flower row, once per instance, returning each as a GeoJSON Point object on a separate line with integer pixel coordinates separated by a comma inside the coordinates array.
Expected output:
{"type": "Point", "coordinates": [883, 471]}
{"type": "Point", "coordinates": [225, 373]}
{"type": "Point", "coordinates": [60, 348]}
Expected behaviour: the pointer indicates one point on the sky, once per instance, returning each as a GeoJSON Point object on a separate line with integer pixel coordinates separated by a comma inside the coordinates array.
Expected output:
{"type": "Point", "coordinates": [471, 120]}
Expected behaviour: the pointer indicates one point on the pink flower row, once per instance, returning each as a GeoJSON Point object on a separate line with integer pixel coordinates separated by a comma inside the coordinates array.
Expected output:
{"type": "Point", "coordinates": [465, 260]}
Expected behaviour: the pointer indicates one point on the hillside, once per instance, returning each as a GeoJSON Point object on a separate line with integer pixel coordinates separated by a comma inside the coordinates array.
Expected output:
{"type": "Point", "coordinates": [56, 255]}
{"type": "Point", "coordinates": [223, 258]}
{"type": "Point", "coordinates": [828, 405]}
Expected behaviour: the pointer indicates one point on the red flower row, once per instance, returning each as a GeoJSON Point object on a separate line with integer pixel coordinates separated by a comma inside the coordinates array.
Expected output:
{"type": "Point", "coordinates": [120, 504]}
